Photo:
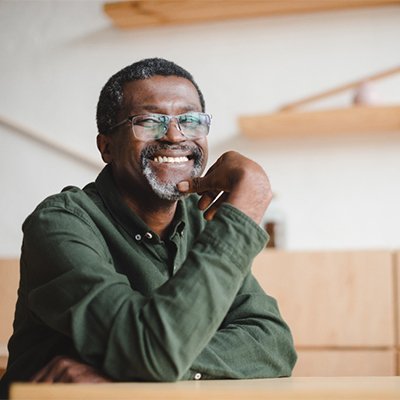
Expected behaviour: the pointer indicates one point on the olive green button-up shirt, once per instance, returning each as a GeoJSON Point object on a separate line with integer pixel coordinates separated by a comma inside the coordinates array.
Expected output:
{"type": "Point", "coordinates": [99, 285]}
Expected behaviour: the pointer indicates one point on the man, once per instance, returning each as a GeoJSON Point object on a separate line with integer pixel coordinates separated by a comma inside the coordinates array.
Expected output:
{"type": "Point", "coordinates": [138, 278]}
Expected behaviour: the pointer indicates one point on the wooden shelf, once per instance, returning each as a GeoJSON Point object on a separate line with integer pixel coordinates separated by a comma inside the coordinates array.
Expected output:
{"type": "Point", "coordinates": [142, 13]}
{"type": "Point", "coordinates": [358, 119]}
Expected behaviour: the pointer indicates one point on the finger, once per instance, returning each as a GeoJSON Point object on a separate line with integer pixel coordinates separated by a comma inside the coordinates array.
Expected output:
{"type": "Point", "coordinates": [56, 370]}
{"type": "Point", "coordinates": [48, 374]}
{"type": "Point", "coordinates": [43, 373]}
{"type": "Point", "coordinates": [38, 376]}
{"type": "Point", "coordinates": [102, 379]}
{"type": "Point", "coordinates": [191, 186]}
{"type": "Point", "coordinates": [214, 180]}
{"type": "Point", "coordinates": [96, 377]}
{"type": "Point", "coordinates": [184, 187]}
{"type": "Point", "coordinates": [212, 210]}
{"type": "Point", "coordinates": [201, 185]}
{"type": "Point", "coordinates": [207, 199]}
{"type": "Point", "coordinates": [65, 376]}
{"type": "Point", "coordinates": [82, 373]}
{"type": "Point", "coordinates": [75, 372]}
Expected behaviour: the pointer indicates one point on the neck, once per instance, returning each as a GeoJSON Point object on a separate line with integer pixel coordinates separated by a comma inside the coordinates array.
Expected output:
{"type": "Point", "coordinates": [155, 212]}
{"type": "Point", "coordinates": [157, 215]}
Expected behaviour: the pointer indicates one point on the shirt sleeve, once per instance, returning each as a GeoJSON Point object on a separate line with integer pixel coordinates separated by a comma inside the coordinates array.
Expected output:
{"type": "Point", "coordinates": [252, 342]}
{"type": "Point", "coordinates": [74, 290]}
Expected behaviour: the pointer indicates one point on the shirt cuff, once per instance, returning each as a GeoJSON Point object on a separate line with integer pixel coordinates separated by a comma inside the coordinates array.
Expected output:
{"type": "Point", "coordinates": [236, 235]}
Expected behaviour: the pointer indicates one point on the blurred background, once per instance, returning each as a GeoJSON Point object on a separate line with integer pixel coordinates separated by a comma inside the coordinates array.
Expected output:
{"type": "Point", "coordinates": [334, 163]}
{"type": "Point", "coordinates": [331, 191]}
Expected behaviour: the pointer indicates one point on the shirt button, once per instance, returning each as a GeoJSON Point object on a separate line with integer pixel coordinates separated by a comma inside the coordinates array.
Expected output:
{"type": "Point", "coordinates": [138, 237]}
{"type": "Point", "coordinates": [148, 235]}
{"type": "Point", "coordinates": [197, 376]}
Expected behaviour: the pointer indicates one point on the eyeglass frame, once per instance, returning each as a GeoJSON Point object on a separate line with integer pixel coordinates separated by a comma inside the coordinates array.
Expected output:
{"type": "Point", "coordinates": [166, 124]}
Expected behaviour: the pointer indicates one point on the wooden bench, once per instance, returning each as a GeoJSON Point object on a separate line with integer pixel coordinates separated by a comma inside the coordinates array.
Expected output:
{"type": "Point", "coordinates": [342, 307]}
{"type": "Point", "coordinates": [9, 280]}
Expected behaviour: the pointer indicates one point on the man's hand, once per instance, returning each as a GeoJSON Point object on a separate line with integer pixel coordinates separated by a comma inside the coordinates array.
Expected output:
{"type": "Point", "coordinates": [68, 370]}
{"type": "Point", "coordinates": [238, 180]}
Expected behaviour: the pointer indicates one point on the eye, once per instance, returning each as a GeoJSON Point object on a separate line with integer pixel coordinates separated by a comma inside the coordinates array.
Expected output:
{"type": "Point", "coordinates": [191, 120]}
{"type": "Point", "coordinates": [147, 121]}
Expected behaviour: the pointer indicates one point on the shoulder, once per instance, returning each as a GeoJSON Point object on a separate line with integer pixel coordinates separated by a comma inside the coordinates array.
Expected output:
{"type": "Point", "coordinates": [71, 201]}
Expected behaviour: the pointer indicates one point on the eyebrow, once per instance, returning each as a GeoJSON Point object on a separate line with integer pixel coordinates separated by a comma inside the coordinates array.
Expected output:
{"type": "Point", "coordinates": [156, 109]}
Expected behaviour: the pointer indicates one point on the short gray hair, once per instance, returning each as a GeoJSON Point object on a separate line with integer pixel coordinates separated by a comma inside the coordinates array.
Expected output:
{"type": "Point", "coordinates": [111, 96]}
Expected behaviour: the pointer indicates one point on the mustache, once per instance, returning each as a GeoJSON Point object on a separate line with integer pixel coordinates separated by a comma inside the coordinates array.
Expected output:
{"type": "Point", "coordinates": [152, 149]}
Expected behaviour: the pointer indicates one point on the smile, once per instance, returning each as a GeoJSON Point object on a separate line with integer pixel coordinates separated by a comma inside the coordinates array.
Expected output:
{"type": "Point", "coordinates": [161, 159]}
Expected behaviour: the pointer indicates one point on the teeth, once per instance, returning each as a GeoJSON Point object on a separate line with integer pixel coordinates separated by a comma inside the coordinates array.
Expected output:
{"type": "Point", "coordinates": [160, 159]}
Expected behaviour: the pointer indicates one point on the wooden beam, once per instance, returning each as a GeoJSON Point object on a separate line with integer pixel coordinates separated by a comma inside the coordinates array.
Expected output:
{"type": "Point", "coordinates": [52, 144]}
{"type": "Point", "coordinates": [311, 388]}
{"type": "Point", "coordinates": [360, 119]}
{"type": "Point", "coordinates": [142, 13]}
{"type": "Point", "coordinates": [340, 89]}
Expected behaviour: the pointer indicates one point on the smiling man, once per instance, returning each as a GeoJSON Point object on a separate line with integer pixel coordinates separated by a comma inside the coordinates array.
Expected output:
{"type": "Point", "coordinates": [144, 275]}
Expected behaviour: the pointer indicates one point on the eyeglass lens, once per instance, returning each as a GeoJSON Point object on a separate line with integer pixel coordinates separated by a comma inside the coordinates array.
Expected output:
{"type": "Point", "coordinates": [154, 126]}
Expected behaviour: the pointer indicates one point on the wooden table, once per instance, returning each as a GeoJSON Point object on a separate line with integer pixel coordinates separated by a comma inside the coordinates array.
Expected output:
{"type": "Point", "coordinates": [349, 388]}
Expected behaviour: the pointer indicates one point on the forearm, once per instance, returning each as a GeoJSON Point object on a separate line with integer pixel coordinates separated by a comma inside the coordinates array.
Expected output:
{"type": "Point", "coordinates": [130, 336]}
{"type": "Point", "coordinates": [239, 354]}
{"type": "Point", "coordinates": [253, 342]}
{"type": "Point", "coordinates": [183, 315]}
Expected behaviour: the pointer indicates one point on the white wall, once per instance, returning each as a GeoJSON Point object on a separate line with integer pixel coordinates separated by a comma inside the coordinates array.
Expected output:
{"type": "Point", "coordinates": [333, 192]}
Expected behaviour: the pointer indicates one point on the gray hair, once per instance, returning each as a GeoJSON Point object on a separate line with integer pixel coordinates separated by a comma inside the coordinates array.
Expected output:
{"type": "Point", "coordinates": [111, 96]}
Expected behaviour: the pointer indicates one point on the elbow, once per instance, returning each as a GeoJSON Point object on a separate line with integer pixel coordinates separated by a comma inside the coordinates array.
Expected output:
{"type": "Point", "coordinates": [146, 374]}
{"type": "Point", "coordinates": [164, 370]}
{"type": "Point", "coordinates": [165, 376]}
{"type": "Point", "coordinates": [287, 357]}
{"type": "Point", "coordinates": [279, 355]}
{"type": "Point", "coordinates": [288, 363]}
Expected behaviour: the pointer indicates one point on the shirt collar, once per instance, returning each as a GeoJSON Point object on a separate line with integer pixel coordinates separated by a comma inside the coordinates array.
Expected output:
{"type": "Point", "coordinates": [125, 217]}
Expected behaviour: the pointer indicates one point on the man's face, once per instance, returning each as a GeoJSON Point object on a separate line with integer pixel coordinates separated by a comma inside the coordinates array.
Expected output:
{"type": "Point", "coordinates": [144, 168]}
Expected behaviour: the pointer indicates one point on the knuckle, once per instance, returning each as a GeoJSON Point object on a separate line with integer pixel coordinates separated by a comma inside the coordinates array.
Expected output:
{"type": "Point", "coordinates": [196, 184]}
{"type": "Point", "coordinates": [64, 362]}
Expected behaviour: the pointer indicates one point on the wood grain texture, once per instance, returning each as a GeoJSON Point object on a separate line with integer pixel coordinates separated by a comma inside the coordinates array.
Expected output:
{"type": "Point", "coordinates": [9, 280]}
{"type": "Point", "coordinates": [354, 388]}
{"type": "Point", "coordinates": [142, 13]}
{"type": "Point", "coordinates": [332, 298]}
{"type": "Point", "coordinates": [360, 119]}
{"type": "Point", "coordinates": [345, 363]}
{"type": "Point", "coordinates": [342, 88]}
{"type": "Point", "coordinates": [396, 278]}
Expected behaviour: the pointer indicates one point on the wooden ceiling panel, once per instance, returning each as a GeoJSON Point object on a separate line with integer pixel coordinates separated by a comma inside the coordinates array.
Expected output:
{"type": "Point", "coordinates": [142, 13]}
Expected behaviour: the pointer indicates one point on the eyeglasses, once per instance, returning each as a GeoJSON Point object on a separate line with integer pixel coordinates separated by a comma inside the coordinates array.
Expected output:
{"type": "Point", "coordinates": [146, 127]}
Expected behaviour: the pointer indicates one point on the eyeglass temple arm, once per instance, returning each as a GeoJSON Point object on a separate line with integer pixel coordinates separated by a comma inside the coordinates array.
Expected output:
{"type": "Point", "coordinates": [121, 123]}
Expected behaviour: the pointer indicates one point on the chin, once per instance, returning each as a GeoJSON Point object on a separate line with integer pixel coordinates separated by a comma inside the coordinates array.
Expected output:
{"type": "Point", "coordinates": [164, 190]}
{"type": "Point", "coordinates": [171, 197]}
{"type": "Point", "coordinates": [164, 184]}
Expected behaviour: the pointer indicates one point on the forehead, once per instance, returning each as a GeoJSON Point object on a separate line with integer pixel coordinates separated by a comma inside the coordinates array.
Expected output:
{"type": "Point", "coordinates": [161, 92]}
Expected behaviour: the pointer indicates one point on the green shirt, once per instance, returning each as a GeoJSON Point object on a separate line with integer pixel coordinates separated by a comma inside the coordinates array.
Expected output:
{"type": "Point", "coordinates": [99, 285]}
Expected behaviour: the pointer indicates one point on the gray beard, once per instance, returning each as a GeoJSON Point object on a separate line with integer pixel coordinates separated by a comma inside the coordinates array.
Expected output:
{"type": "Point", "coordinates": [168, 190]}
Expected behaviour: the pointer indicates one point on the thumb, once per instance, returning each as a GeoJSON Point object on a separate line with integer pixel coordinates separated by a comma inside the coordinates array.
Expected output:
{"type": "Point", "coordinates": [195, 185]}
{"type": "Point", "coordinates": [184, 186]}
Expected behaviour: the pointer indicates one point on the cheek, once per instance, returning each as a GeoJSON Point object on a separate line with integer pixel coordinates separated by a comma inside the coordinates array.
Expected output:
{"type": "Point", "coordinates": [133, 150]}
{"type": "Point", "coordinates": [203, 145]}
{"type": "Point", "coordinates": [129, 154]}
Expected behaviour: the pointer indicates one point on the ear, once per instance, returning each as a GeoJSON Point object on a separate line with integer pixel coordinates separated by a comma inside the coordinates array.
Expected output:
{"type": "Point", "coordinates": [104, 143]}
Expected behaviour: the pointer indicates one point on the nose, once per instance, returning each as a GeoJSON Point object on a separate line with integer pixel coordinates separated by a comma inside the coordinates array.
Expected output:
{"type": "Point", "coordinates": [173, 134]}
